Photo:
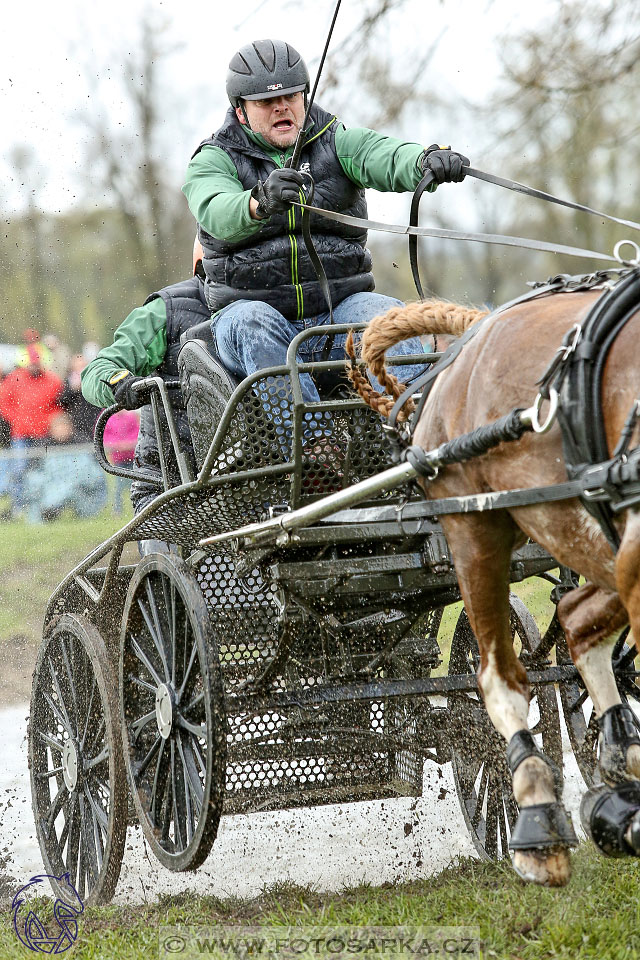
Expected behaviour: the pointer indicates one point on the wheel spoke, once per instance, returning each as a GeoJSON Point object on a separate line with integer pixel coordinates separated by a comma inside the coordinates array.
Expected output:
{"type": "Point", "coordinates": [54, 809]}
{"type": "Point", "coordinates": [179, 803]}
{"type": "Point", "coordinates": [141, 683]}
{"type": "Point", "coordinates": [192, 660]}
{"type": "Point", "coordinates": [146, 760]}
{"type": "Point", "coordinates": [51, 741]}
{"type": "Point", "coordinates": [482, 790]}
{"type": "Point", "coordinates": [188, 761]}
{"type": "Point", "coordinates": [41, 775]}
{"type": "Point", "coordinates": [66, 722]}
{"type": "Point", "coordinates": [101, 757]}
{"type": "Point", "coordinates": [87, 848]}
{"type": "Point", "coordinates": [56, 713]}
{"type": "Point", "coordinates": [160, 783]}
{"type": "Point", "coordinates": [185, 791]}
{"type": "Point", "coordinates": [154, 627]}
{"type": "Point", "coordinates": [97, 735]}
{"type": "Point", "coordinates": [97, 810]}
{"type": "Point", "coordinates": [491, 830]}
{"type": "Point", "coordinates": [144, 660]}
{"type": "Point", "coordinates": [70, 683]}
{"type": "Point", "coordinates": [582, 697]}
{"type": "Point", "coordinates": [170, 608]}
{"type": "Point", "coordinates": [198, 730]}
{"type": "Point", "coordinates": [98, 843]}
{"type": "Point", "coordinates": [94, 686]}
{"type": "Point", "coordinates": [73, 835]}
{"type": "Point", "coordinates": [138, 725]}
{"type": "Point", "coordinates": [194, 703]}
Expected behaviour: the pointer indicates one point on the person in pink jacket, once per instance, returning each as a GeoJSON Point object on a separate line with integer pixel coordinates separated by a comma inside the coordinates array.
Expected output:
{"type": "Point", "coordinates": [120, 437]}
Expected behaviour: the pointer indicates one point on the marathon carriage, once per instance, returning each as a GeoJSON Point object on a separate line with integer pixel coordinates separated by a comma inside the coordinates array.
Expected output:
{"type": "Point", "coordinates": [273, 669]}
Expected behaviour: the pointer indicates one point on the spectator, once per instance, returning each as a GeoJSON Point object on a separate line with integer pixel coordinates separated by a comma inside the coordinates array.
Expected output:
{"type": "Point", "coordinates": [63, 480]}
{"type": "Point", "coordinates": [60, 355]}
{"type": "Point", "coordinates": [31, 341]}
{"type": "Point", "coordinates": [83, 414]}
{"type": "Point", "coordinates": [29, 400]}
{"type": "Point", "coordinates": [120, 438]}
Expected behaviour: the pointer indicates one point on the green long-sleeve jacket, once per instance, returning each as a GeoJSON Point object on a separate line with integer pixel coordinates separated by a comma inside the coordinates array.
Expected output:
{"type": "Point", "coordinates": [220, 203]}
{"type": "Point", "coordinates": [139, 346]}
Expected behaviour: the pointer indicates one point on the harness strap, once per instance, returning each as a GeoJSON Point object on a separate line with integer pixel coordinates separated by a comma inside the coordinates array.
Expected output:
{"type": "Point", "coordinates": [495, 238]}
{"type": "Point", "coordinates": [426, 181]}
{"type": "Point", "coordinates": [541, 195]}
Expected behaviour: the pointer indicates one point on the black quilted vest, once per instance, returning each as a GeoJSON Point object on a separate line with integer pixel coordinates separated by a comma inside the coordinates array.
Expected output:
{"type": "Point", "coordinates": [186, 306]}
{"type": "Point", "coordinates": [273, 265]}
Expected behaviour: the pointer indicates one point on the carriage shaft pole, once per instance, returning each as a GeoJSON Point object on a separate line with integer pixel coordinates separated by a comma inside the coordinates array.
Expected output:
{"type": "Point", "coordinates": [371, 487]}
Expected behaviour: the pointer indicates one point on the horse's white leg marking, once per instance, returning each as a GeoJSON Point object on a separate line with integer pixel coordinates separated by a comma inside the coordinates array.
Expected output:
{"type": "Point", "coordinates": [508, 710]}
{"type": "Point", "coordinates": [597, 673]}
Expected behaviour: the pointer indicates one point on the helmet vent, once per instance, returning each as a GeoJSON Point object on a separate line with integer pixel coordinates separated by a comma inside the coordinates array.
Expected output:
{"type": "Point", "coordinates": [293, 56]}
{"type": "Point", "coordinates": [239, 65]}
{"type": "Point", "coordinates": [267, 53]}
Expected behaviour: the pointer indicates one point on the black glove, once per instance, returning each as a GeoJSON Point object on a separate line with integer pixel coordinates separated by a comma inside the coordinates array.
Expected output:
{"type": "Point", "coordinates": [445, 164]}
{"type": "Point", "coordinates": [278, 190]}
{"type": "Point", "coordinates": [122, 383]}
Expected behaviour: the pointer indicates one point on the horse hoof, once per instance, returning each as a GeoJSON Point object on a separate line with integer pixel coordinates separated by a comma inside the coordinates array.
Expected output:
{"type": "Point", "coordinates": [548, 868]}
{"type": "Point", "coordinates": [611, 817]}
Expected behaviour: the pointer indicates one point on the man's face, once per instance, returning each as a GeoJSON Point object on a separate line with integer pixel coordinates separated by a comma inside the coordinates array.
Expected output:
{"type": "Point", "coordinates": [278, 119]}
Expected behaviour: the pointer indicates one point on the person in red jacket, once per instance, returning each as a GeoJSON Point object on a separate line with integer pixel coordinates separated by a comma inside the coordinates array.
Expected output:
{"type": "Point", "coordinates": [28, 402]}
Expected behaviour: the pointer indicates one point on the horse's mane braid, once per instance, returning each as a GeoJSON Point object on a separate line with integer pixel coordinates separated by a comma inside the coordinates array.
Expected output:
{"type": "Point", "coordinates": [401, 323]}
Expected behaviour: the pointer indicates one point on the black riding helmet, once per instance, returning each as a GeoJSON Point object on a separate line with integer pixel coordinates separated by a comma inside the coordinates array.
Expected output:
{"type": "Point", "coordinates": [264, 69]}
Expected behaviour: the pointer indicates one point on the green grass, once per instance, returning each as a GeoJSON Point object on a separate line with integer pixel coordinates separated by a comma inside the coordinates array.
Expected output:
{"type": "Point", "coordinates": [596, 918]}
{"type": "Point", "coordinates": [34, 558]}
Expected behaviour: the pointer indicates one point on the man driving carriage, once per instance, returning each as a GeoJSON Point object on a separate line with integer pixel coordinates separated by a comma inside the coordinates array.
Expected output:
{"type": "Point", "coordinates": [260, 283]}
{"type": "Point", "coordinates": [255, 275]}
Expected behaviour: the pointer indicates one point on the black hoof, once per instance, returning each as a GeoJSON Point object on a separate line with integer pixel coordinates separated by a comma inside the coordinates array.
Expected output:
{"type": "Point", "coordinates": [541, 826]}
{"type": "Point", "coordinates": [619, 730]}
{"type": "Point", "coordinates": [607, 813]}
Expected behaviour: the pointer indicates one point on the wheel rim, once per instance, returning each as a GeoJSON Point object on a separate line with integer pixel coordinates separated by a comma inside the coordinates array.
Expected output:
{"type": "Point", "coordinates": [77, 771]}
{"type": "Point", "coordinates": [481, 773]}
{"type": "Point", "coordinates": [577, 706]}
{"type": "Point", "coordinates": [174, 726]}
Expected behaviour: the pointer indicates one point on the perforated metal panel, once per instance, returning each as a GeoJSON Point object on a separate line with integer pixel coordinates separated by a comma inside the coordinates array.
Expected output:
{"type": "Point", "coordinates": [301, 754]}
{"type": "Point", "coordinates": [270, 452]}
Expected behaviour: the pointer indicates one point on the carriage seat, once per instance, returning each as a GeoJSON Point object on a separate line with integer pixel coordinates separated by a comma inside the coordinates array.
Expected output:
{"type": "Point", "coordinates": [207, 385]}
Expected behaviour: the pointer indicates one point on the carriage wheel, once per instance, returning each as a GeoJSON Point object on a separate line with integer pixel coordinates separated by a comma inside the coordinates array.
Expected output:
{"type": "Point", "coordinates": [480, 770]}
{"type": "Point", "coordinates": [78, 784]}
{"type": "Point", "coordinates": [577, 706]}
{"type": "Point", "coordinates": [173, 718]}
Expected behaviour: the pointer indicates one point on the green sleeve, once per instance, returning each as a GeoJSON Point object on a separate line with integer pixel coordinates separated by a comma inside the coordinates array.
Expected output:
{"type": "Point", "coordinates": [381, 163]}
{"type": "Point", "coordinates": [216, 197]}
{"type": "Point", "coordinates": [139, 345]}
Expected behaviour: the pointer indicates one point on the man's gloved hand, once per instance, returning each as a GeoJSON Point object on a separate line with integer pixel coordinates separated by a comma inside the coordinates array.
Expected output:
{"type": "Point", "coordinates": [122, 383]}
{"type": "Point", "coordinates": [277, 191]}
{"type": "Point", "coordinates": [445, 164]}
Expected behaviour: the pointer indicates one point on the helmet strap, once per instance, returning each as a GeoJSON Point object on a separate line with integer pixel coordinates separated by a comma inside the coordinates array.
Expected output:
{"type": "Point", "coordinates": [244, 113]}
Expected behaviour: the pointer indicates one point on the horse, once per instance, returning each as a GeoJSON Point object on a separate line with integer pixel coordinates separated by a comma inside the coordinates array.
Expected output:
{"type": "Point", "coordinates": [495, 372]}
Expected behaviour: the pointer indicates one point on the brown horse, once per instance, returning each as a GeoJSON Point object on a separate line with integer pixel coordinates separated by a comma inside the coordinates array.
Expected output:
{"type": "Point", "coordinates": [495, 372]}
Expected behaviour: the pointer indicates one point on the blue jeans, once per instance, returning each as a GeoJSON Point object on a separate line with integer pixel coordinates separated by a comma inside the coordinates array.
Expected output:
{"type": "Point", "coordinates": [251, 335]}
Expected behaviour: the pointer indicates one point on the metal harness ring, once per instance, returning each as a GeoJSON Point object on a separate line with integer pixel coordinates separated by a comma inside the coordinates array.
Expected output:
{"type": "Point", "coordinates": [623, 243]}
{"type": "Point", "coordinates": [532, 414]}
